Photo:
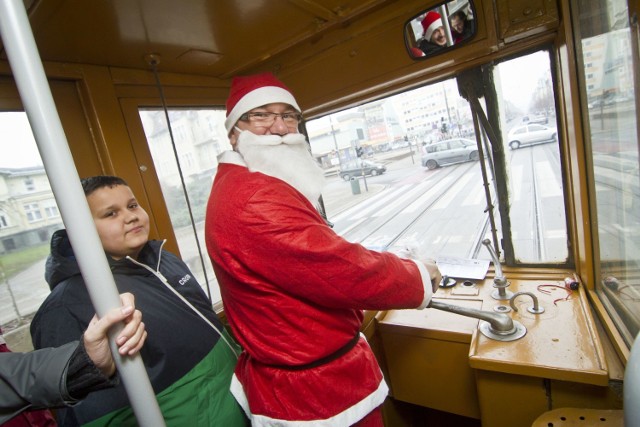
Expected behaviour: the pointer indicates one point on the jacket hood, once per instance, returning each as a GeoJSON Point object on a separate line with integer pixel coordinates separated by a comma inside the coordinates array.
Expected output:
{"type": "Point", "coordinates": [62, 263]}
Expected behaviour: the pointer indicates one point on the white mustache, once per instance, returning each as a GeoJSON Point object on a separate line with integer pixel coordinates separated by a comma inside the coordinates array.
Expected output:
{"type": "Point", "coordinates": [285, 157]}
{"type": "Point", "coordinates": [248, 138]}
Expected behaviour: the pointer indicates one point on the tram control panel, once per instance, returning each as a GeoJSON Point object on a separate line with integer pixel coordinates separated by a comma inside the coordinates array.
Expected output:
{"type": "Point", "coordinates": [509, 338]}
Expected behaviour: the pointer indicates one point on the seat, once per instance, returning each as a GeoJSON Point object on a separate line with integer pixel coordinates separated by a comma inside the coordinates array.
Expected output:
{"type": "Point", "coordinates": [569, 417]}
{"type": "Point", "coordinates": [629, 417]}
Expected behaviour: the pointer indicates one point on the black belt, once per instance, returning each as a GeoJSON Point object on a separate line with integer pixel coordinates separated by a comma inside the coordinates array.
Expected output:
{"type": "Point", "coordinates": [324, 360]}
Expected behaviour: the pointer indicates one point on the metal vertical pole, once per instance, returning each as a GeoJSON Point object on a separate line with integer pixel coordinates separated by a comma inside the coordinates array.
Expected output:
{"type": "Point", "coordinates": [44, 120]}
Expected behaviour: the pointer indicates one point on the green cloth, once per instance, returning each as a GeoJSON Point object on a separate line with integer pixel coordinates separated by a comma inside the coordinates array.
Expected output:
{"type": "Point", "coordinates": [200, 398]}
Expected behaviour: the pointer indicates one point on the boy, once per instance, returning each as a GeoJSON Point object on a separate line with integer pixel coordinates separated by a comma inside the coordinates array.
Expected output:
{"type": "Point", "coordinates": [188, 364]}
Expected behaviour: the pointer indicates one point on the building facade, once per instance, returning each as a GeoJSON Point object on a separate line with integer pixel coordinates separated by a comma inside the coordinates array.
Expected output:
{"type": "Point", "coordinates": [28, 211]}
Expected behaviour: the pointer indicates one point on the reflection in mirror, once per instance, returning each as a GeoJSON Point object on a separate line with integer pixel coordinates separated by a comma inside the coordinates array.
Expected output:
{"type": "Point", "coordinates": [428, 33]}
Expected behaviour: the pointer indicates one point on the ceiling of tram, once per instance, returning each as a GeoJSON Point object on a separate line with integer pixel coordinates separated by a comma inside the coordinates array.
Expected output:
{"type": "Point", "coordinates": [215, 38]}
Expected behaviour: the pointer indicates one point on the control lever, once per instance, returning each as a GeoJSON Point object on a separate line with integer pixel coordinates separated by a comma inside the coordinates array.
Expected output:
{"type": "Point", "coordinates": [499, 281]}
{"type": "Point", "coordinates": [497, 326]}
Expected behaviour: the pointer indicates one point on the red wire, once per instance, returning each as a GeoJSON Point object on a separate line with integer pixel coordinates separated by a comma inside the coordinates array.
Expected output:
{"type": "Point", "coordinates": [545, 291]}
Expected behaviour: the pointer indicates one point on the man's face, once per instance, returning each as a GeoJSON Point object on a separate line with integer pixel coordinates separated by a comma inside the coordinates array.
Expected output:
{"type": "Point", "coordinates": [278, 127]}
{"type": "Point", "coordinates": [123, 226]}
{"type": "Point", "coordinates": [438, 37]}
{"type": "Point", "coordinates": [457, 24]}
{"type": "Point", "coordinates": [273, 146]}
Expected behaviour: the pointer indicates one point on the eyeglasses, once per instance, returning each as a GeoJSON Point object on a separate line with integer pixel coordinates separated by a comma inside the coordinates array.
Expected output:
{"type": "Point", "coordinates": [266, 119]}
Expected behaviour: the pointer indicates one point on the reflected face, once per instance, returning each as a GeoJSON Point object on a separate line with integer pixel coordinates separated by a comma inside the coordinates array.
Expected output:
{"type": "Point", "coordinates": [438, 37]}
{"type": "Point", "coordinates": [123, 226]}
{"type": "Point", "coordinates": [457, 24]}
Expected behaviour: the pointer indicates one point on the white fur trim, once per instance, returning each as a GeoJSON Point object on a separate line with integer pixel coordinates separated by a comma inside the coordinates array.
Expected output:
{"type": "Point", "coordinates": [257, 98]}
{"type": "Point", "coordinates": [426, 284]}
{"type": "Point", "coordinates": [232, 157]}
{"type": "Point", "coordinates": [347, 417]}
{"type": "Point", "coordinates": [238, 393]}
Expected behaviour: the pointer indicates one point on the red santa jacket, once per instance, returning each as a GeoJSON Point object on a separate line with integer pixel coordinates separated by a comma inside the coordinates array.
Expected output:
{"type": "Point", "coordinates": [294, 291]}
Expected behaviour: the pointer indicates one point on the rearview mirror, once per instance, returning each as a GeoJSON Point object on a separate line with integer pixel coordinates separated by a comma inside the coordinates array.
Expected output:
{"type": "Point", "coordinates": [440, 29]}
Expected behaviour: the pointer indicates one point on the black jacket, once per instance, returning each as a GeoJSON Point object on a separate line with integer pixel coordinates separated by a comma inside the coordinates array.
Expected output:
{"type": "Point", "coordinates": [428, 47]}
{"type": "Point", "coordinates": [178, 339]}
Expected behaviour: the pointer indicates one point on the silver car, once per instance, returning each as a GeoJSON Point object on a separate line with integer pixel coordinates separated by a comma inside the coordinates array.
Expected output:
{"type": "Point", "coordinates": [449, 151]}
{"type": "Point", "coordinates": [531, 134]}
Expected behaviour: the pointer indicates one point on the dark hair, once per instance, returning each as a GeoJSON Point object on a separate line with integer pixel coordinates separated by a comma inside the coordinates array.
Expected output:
{"type": "Point", "coordinates": [91, 184]}
{"type": "Point", "coordinates": [460, 14]}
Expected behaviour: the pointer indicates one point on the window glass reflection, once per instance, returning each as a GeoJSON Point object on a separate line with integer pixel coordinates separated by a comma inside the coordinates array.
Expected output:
{"type": "Point", "coordinates": [199, 136]}
{"type": "Point", "coordinates": [440, 28]}
{"type": "Point", "coordinates": [608, 83]}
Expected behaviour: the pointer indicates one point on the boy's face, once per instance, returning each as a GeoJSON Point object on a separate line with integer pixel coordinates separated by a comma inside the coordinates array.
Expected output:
{"type": "Point", "coordinates": [123, 226]}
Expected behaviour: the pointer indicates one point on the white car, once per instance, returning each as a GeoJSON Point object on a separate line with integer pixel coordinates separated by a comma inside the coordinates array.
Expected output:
{"type": "Point", "coordinates": [531, 134]}
{"type": "Point", "coordinates": [449, 151]}
{"type": "Point", "coordinates": [540, 119]}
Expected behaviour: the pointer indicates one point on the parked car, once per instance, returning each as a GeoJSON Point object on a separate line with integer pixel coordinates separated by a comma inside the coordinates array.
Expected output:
{"type": "Point", "coordinates": [531, 134]}
{"type": "Point", "coordinates": [356, 169]}
{"type": "Point", "coordinates": [596, 103]}
{"type": "Point", "coordinates": [449, 151]}
{"type": "Point", "coordinates": [539, 119]}
{"type": "Point", "coordinates": [609, 100]}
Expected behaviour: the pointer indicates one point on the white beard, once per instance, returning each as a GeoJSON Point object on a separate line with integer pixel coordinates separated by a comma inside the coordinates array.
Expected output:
{"type": "Point", "coordinates": [284, 157]}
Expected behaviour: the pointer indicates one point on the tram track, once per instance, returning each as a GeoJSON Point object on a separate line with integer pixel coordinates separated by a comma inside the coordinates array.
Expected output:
{"type": "Point", "coordinates": [396, 219]}
{"type": "Point", "coordinates": [541, 161]}
{"type": "Point", "coordinates": [538, 240]}
{"type": "Point", "coordinates": [453, 173]}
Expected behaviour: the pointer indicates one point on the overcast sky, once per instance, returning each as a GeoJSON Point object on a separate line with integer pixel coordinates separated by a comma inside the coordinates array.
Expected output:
{"type": "Point", "coordinates": [519, 78]}
{"type": "Point", "coordinates": [17, 146]}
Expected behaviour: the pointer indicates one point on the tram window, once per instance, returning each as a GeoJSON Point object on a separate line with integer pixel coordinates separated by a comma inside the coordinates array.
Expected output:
{"type": "Point", "coordinates": [438, 204]}
{"type": "Point", "coordinates": [28, 217]}
{"type": "Point", "coordinates": [439, 210]}
{"type": "Point", "coordinates": [610, 91]}
{"type": "Point", "coordinates": [198, 137]}
{"type": "Point", "coordinates": [532, 159]}
{"type": "Point", "coordinates": [439, 29]}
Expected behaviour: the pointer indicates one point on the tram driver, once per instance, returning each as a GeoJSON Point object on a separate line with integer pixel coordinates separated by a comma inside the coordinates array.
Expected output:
{"type": "Point", "coordinates": [293, 290]}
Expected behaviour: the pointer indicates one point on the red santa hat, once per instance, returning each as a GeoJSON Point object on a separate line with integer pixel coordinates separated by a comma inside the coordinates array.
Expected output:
{"type": "Point", "coordinates": [430, 23]}
{"type": "Point", "coordinates": [249, 92]}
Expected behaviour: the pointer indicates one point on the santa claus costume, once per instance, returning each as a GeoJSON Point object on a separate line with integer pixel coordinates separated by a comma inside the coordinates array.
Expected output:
{"type": "Point", "coordinates": [294, 291]}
